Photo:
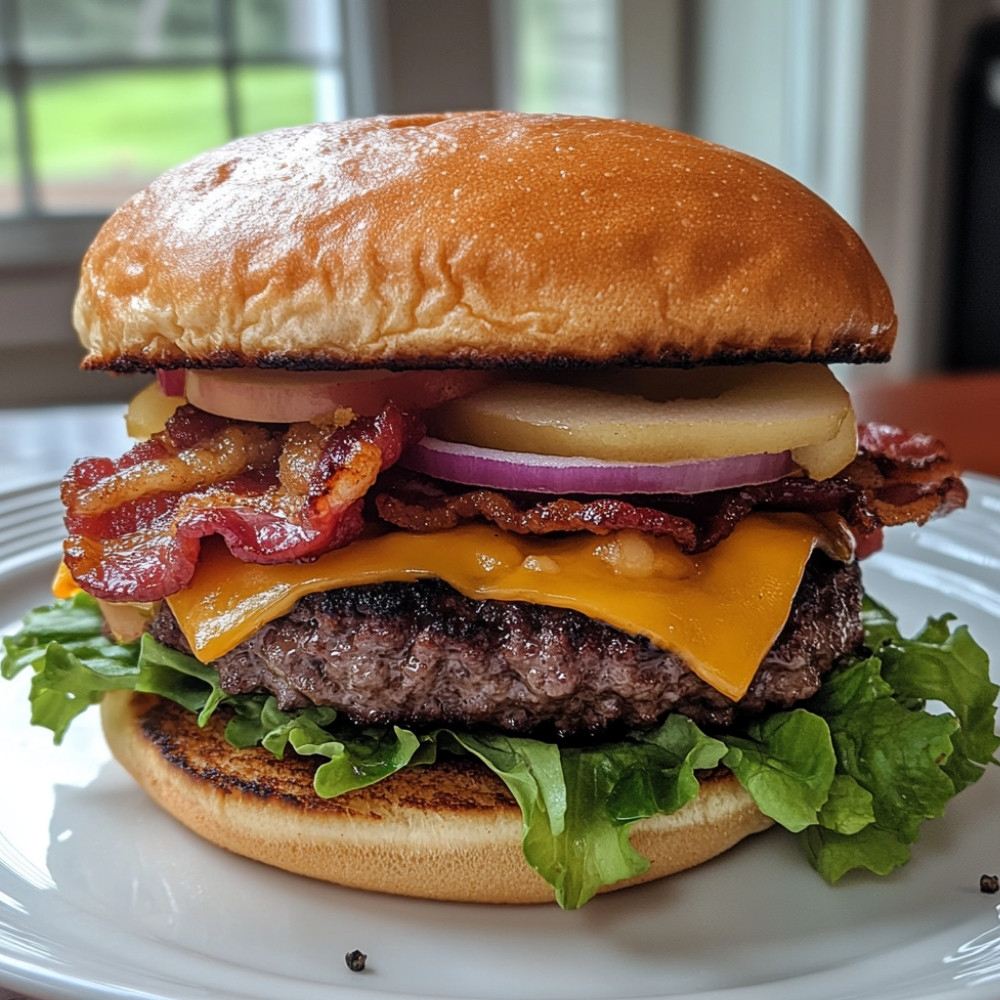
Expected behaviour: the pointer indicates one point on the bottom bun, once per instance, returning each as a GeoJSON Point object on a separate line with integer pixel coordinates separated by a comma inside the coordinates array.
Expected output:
{"type": "Point", "coordinates": [448, 831]}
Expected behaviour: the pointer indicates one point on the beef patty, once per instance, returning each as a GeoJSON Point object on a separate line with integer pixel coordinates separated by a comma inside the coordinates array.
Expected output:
{"type": "Point", "coordinates": [422, 654]}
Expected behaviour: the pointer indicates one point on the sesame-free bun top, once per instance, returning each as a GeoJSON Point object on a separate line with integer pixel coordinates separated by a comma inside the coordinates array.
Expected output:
{"type": "Point", "coordinates": [477, 240]}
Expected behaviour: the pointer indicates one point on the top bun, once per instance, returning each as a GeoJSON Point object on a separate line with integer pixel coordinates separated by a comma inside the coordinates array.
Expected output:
{"type": "Point", "coordinates": [477, 240]}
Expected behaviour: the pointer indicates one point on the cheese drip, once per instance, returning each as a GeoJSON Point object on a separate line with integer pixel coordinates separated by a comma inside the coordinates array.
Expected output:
{"type": "Point", "coordinates": [721, 610]}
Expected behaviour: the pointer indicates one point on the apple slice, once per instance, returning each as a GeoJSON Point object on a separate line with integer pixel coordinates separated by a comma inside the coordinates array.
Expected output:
{"type": "Point", "coordinates": [285, 397]}
{"type": "Point", "coordinates": [664, 415]}
{"type": "Point", "coordinates": [149, 411]}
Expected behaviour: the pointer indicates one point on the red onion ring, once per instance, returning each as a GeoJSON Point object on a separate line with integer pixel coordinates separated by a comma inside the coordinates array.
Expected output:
{"type": "Point", "coordinates": [534, 473]}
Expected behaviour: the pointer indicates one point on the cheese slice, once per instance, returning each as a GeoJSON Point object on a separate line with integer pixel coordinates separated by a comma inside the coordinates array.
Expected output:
{"type": "Point", "coordinates": [63, 584]}
{"type": "Point", "coordinates": [721, 610]}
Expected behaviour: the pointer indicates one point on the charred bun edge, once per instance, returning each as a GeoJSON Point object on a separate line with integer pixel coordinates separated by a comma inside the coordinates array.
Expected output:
{"type": "Point", "coordinates": [450, 831]}
{"type": "Point", "coordinates": [870, 353]}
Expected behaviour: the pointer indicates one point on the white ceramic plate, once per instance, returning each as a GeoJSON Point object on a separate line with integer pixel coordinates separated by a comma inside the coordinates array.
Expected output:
{"type": "Point", "coordinates": [102, 895]}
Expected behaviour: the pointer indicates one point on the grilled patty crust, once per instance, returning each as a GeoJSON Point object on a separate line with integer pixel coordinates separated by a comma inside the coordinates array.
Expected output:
{"type": "Point", "coordinates": [422, 654]}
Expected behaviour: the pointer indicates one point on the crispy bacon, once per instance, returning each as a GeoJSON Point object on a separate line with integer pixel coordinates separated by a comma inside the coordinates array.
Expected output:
{"type": "Point", "coordinates": [909, 477]}
{"type": "Point", "coordinates": [416, 503]}
{"type": "Point", "coordinates": [894, 445]}
{"type": "Point", "coordinates": [896, 478]}
{"type": "Point", "coordinates": [289, 493]}
{"type": "Point", "coordinates": [274, 494]}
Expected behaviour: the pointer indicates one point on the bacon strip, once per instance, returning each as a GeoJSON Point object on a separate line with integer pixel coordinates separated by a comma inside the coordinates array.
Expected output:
{"type": "Point", "coordinates": [276, 494]}
{"type": "Point", "coordinates": [896, 478]}
{"type": "Point", "coordinates": [419, 504]}
{"type": "Point", "coordinates": [908, 477]}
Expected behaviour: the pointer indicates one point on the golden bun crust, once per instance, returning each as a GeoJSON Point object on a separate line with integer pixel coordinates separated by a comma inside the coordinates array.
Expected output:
{"type": "Point", "coordinates": [477, 240]}
{"type": "Point", "coordinates": [447, 832]}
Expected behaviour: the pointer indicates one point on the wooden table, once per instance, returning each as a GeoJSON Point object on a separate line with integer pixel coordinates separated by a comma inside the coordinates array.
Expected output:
{"type": "Point", "coordinates": [961, 410]}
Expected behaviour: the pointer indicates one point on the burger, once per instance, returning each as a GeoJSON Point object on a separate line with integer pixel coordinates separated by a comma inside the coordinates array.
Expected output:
{"type": "Point", "coordinates": [493, 526]}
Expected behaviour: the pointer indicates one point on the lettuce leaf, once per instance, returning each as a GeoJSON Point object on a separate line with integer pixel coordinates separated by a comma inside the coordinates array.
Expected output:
{"type": "Point", "coordinates": [74, 663]}
{"type": "Point", "coordinates": [853, 772]}
{"type": "Point", "coordinates": [579, 803]}
{"type": "Point", "coordinates": [940, 665]}
{"type": "Point", "coordinates": [787, 763]}
{"type": "Point", "coordinates": [833, 854]}
{"type": "Point", "coordinates": [907, 761]}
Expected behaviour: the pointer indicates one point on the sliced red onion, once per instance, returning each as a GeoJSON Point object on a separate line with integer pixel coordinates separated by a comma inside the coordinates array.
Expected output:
{"type": "Point", "coordinates": [534, 473]}
{"type": "Point", "coordinates": [171, 381]}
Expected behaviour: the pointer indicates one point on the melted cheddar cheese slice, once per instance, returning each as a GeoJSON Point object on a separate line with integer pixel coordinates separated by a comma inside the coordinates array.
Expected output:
{"type": "Point", "coordinates": [720, 610]}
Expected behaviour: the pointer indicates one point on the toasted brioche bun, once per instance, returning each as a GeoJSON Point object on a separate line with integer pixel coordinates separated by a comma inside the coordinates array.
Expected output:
{"type": "Point", "coordinates": [450, 831]}
{"type": "Point", "coordinates": [477, 240]}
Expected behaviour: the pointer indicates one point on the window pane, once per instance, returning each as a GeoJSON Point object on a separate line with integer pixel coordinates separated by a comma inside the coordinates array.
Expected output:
{"type": "Point", "coordinates": [72, 30]}
{"type": "Point", "coordinates": [272, 96]}
{"type": "Point", "coordinates": [565, 56]}
{"type": "Point", "coordinates": [100, 136]}
{"type": "Point", "coordinates": [282, 27]}
{"type": "Point", "coordinates": [10, 197]}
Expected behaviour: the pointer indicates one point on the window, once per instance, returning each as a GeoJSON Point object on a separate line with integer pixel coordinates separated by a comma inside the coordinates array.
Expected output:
{"type": "Point", "coordinates": [8, 159]}
{"type": "Point", "coordinates": [782, 80]}
{"type": "Point", "coordinates": [100, 96]}
{"type": "Point", "coordinates": [564, 56]}
{"type": "Point", "coordinates": [593, 57]}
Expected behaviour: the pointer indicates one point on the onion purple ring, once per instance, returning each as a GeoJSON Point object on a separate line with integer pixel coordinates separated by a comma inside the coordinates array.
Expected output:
{"type": "Point", "coordinates": [533, 473]}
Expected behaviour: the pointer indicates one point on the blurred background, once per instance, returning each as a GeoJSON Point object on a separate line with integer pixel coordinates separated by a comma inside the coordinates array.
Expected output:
{"type": "Point", "coordinates": [890, 109]}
